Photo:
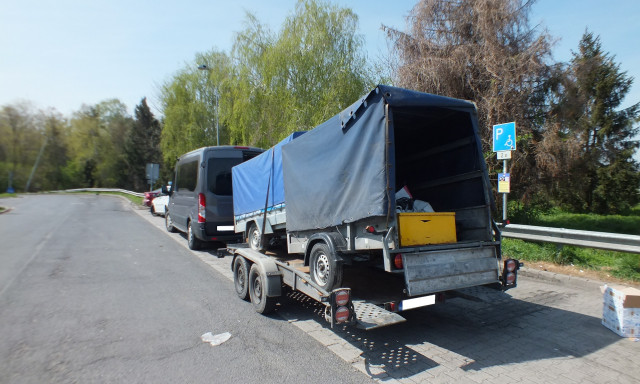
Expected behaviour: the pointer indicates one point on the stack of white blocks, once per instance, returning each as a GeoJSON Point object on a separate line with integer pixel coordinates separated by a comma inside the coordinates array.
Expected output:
{"type": "Point", "coordinates": [621, 310]}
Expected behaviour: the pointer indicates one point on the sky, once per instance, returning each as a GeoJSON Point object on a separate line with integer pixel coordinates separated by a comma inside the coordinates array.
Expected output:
{"type": "Point", "coordinates": [66, 53]}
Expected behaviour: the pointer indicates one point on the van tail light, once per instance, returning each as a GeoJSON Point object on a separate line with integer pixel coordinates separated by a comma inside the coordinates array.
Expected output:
{"type": "Point", "coordinates": [202, 207]}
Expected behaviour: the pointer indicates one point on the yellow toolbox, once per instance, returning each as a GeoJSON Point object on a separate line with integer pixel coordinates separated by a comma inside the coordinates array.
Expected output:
{"type": "Point", "coordinates": [422, 228]}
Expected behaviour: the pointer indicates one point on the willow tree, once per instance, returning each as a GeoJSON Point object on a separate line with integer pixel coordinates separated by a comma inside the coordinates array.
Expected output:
{"type": "Point", "coordinates": [483, 51]}
{"type": "Point", "coordinates": [295, 79]}
{"type": "Point", "coordinates": [191, 103]}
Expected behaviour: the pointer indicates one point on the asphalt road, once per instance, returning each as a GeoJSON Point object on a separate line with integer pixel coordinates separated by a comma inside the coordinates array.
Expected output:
{"type": "Point", "coordinates": [94, 290]}
{"type": "Point", "coordinates": [91, 292]}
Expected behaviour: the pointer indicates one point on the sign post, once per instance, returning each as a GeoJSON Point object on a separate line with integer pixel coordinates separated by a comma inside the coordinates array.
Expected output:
{"type": "Point", "coordinates": [153, 173]}
{"type": "Point", "coordinates": [504, 141]}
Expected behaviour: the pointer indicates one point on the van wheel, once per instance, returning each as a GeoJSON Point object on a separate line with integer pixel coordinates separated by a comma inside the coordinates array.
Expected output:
{"type": "Point", "coordinates": [258, 291]}
{"type": "Point", "coordinates": [254, 238]}
{"type": "Point", "coordinates": [324, 268]}
{"type": "Point", "coordinates": [193, 242]}
{"type": "Point", "coordinates": [241, 277]}
{"type": "Point", "coordinates": [169, 223]}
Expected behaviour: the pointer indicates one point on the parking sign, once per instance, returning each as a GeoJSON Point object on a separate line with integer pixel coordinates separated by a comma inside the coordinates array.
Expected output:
{"type": "Point", "coordinates": [504, 137]}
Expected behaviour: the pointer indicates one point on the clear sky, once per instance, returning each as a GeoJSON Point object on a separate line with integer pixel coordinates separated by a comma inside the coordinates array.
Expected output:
{"type": "Point", "coordinates": [64, 53]}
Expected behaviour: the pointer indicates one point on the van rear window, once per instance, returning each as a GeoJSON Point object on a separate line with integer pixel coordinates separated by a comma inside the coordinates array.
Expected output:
{"type": "Point", "coordinates": [219, 175]}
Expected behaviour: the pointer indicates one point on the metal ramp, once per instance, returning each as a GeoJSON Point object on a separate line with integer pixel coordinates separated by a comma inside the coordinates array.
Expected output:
{"type": "Point", "coordinates": [370, 316]}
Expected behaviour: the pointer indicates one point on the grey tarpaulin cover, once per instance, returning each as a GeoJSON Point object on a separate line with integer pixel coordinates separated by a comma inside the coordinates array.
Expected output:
{"type": "Point", "coordinates": [337, 172]}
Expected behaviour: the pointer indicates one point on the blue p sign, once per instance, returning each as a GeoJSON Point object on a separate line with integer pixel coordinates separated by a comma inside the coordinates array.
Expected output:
{"type": "Point", "coordinates": [504, 137]}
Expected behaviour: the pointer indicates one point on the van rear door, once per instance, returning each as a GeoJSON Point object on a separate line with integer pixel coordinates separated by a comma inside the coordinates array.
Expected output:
{"type": "Point", "coordinates": [219, 199]}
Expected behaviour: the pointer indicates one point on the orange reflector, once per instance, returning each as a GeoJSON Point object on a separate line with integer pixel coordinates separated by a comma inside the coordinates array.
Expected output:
{"type": "Point", "coordinates": [342, 314]}
{"type": "Point", "coordinates": [397, 261]}
{"type": "Point", "coordinates": [342, 298]}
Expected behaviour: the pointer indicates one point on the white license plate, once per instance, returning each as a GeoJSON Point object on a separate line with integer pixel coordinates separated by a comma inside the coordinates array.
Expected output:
{"type": "Point", "coordinates": [417, 302]}
{"type": "Point", "coordinates": [225, 228]}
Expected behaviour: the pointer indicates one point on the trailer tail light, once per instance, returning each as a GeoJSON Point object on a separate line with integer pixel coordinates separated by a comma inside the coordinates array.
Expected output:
{"type": "Point", "coordinates": [510, 273]}
{"type": "Point", "coordinates": [202, 208]}
{"type": "Point", "coordinates": [342, 315]}
{"type": "Point", "coordinates": [342, 297]}
{"type": "Point", "coordinates": [340, 309]}
{"type": "Point", "coordinates": [397, 261]}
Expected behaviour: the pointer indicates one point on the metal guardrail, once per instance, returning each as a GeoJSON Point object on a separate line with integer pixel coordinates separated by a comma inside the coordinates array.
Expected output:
{"type": "Point", "coordinates": [578, 238]}
{"type": "Point", "coordinates": [138, 194]}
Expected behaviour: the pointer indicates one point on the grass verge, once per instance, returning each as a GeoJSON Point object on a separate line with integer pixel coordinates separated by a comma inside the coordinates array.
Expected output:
{"type": "Point", "coordinates": [589, 222]}
{"type": "Point", "coordinates": [623, 266]}
{"type": "Point", "coordinates": [134, 199]}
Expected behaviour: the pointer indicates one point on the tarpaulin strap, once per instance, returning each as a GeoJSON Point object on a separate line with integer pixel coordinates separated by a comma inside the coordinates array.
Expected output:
{"type": "Point", "coordinates": [266, 203]}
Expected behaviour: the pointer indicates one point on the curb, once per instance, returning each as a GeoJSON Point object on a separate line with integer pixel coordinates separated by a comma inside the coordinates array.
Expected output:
{"type": "Point", "coordinates": [561, 279]}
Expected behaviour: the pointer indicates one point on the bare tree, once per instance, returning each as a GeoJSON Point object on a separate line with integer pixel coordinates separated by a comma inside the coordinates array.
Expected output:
{"type": "Point", "coordinates": [483, 51]}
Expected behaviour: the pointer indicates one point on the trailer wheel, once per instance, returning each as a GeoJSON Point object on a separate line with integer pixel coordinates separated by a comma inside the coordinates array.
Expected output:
{"type": "Point", "coordinates": [325, 270]}
{"type": "Point", "coordinates": [241, 277]}
{"type": "Point", "coordinates": [258, 291]}
{"type": "Point", "coordinates": [254, 238]}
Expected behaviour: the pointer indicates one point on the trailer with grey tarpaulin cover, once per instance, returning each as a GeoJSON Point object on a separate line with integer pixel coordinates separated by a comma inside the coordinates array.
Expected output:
{"type": "Point", "coordinates": [392, 191]}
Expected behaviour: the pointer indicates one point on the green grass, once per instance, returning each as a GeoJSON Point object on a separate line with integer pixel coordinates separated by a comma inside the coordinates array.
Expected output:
{"type": "Point", "coordinates": [625, 266]}
{"type": "Point", "coordinates": [8, 195]}
{"type": "Point", "coordinates": [590, 222]}
{"type": "Point", "coordinates": [134, 199]}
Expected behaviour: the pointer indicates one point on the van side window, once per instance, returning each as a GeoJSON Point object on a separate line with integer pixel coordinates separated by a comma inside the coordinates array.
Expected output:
{"type": "Point", "coordinates": [187, 176]}
{"type": "Point", "coordinates": [219, 175]}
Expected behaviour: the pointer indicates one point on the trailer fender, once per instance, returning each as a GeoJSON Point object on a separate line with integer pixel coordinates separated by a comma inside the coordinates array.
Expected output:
{"type": "Point", "coordinates": [268, 268]}
{"type": "Point", "coordinates": [335, 241]}
{"type": "Point", "coordinates": [267, 226]}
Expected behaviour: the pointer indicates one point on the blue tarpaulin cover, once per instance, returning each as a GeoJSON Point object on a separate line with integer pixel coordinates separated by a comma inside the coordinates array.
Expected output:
{"type": "Point", "coordinates": [251, 180]}
{"type": "Point", "coordinates": [344, 169]}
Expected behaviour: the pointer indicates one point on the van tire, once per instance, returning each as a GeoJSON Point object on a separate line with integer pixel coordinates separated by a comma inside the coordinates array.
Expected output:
{"type": "Point", "coordinates": [325, 270]}
{"type": "Point", "coordinates": [193, 242]}
{"type": "Point", "coordinates": [258, 291]}
{"type": "Point", "coordinates": [169, 223]}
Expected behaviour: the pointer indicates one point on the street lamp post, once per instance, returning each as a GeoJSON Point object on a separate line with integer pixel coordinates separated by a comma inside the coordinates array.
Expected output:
{"type": "Point", "coordinates": [203, 67]}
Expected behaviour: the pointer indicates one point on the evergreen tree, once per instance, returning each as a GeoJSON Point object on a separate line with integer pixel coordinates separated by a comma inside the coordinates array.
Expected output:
{"type": "Point", "coordinates": [142, 145]}
{"type": "Point", "coordinates": [593, 142]}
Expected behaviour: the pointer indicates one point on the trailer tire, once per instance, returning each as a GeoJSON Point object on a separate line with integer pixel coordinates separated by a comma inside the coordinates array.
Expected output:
{"type": "Point", "coordinates": [254, 238]}
{"type": "Point", "coordinates": [241, 277]}
{"type": "Point", "coordinates": [258, 291]}
{"type": "Point", "coordinates": [324, 268]}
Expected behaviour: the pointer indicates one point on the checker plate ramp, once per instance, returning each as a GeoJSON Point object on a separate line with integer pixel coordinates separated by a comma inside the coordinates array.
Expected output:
{"type": "Point", "coordinates": [370, 316]}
